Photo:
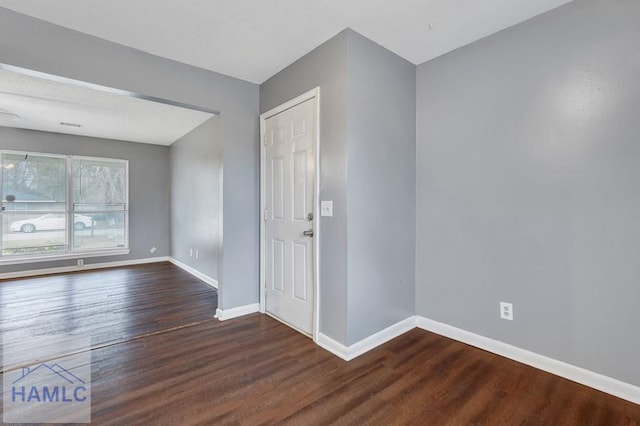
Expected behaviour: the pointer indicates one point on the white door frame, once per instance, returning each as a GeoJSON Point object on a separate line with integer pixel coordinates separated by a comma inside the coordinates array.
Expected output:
{"type": "Point", "coordinates": [311, 94]}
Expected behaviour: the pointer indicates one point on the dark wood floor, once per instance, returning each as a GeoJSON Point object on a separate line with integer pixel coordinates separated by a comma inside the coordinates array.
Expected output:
{"type": "Point", "coordinates": [160, 358]}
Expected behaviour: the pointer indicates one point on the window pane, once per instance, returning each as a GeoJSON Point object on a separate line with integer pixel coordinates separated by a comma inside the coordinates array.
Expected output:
{"type": "Point", "coordinates": [25, 233]}
{"type": "Point", "coordinates": [100, 195]}
{"type": "Point", "coordinates": [99, 185]}
{"type": "Point", "coordinates": [99, 231]}
{"type": "Point", "coordinates": [33, 182]}
{"type": "Point", "coordinates": [32, 185]}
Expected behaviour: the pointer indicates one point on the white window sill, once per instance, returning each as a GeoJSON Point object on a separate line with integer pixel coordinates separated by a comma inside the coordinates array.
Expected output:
{"type": "Point", "coordinates": [52, 258]}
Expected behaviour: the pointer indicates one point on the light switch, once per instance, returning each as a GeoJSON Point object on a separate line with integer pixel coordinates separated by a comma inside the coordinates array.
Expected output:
{"type": "Point", "coordinates": [326, 208]}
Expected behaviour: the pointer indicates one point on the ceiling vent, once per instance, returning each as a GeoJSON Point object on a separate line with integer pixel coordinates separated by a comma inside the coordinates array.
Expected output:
{"type": "Point", "coordinates": [64, 123]}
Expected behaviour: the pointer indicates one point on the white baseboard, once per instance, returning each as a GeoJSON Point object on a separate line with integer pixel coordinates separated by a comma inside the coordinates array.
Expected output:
{"type": "Point", "coordinates": [336, 348]}
{"type": "Point", "coordinates": [86, 267]}
{"type": "Point", "coordinates": [227, 314]}
{"type": "Point", "coordinates": [207, 279]}
{"type": "Point", "coordinates": [365, 345]}
{"type": "Point", "coordinates": [580, 375]}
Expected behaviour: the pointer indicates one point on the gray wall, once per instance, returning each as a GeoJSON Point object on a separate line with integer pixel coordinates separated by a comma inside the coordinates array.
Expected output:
{"type": "Point", "coordinates": [196, 198]}
{"type": "Point", "coordinates": [367, 150]}
{"type": "Point", "coordinates": [148, 187]}
{"type": "Point", "coordinates": [30, 43]}
{"type": "Point", "coordinates": [325, 67]}
{"type": "Point", "coordinates": [381, 187]}
{"type": "Point", "coordinates": [528, 166]}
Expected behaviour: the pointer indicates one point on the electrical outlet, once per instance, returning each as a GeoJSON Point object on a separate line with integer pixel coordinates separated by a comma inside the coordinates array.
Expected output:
{"type": "Point", "coordinates": [152, 250]}
{"type": "Point", "coordinates": [80, 263]}
{"type": "Point", "coordinates": [506, 311]}
{"type": "Point", "coordinates": [190, 252]}
{"type": "Point", "coordinates": [197, 255]}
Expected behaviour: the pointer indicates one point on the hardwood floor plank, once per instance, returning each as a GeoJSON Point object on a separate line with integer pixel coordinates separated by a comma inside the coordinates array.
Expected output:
{"type": "Point", "coordinates": [110, 305]}
{"type": "Point", "coordinates": [159, 357]}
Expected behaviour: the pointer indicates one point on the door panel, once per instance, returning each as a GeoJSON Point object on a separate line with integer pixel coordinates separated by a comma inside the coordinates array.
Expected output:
{"type": "Point", "coordinates": [277, 204]}
{"type": "Point", "coordinates": [300, 271]}
{"type": "Point", "coordinates": [289, 199]}
{"type": "Point", "coordinates": [278, 265]}
{"type": "Point", "coordinates": [300, 186]}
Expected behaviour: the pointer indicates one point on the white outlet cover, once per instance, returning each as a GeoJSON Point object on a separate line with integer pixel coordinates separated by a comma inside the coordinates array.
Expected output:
{"type": "Point", "coordinates": [506, 311]}
{"type": "Point", "coordinates": [326, 208]}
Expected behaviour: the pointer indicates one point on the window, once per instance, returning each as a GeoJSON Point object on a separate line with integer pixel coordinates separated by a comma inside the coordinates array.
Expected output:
{"type": "Point", "coordinates": [62, 206]}
{"type": "Point", "coordinates": [99, 194]}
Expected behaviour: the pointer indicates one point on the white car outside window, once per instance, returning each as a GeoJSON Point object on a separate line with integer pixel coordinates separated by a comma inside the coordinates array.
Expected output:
{"type": "Point", "coordinates": [51, 222]}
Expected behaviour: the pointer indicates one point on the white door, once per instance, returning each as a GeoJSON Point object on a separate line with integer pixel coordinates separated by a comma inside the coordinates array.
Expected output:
{"type": "Point", "coordinates": [289, 139]}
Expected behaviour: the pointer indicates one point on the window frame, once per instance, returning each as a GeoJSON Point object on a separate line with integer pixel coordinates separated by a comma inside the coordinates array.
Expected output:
{"type": "Point", "coordinates": [69, 211]}
{"type": "Point", "coordinates": [72, 205]}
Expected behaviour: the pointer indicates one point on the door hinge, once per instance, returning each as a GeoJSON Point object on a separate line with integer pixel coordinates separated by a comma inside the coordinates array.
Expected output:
{"type": "Point", "coordinates": [264, 141]}
{"type": "Point", "coordinates": [266, 214]}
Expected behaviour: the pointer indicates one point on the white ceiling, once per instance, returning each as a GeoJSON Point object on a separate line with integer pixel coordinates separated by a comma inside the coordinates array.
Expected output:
{"type": "Point", "coordinates": [254, 39]}
{"type": "Point", "coordinates": [36, 103]}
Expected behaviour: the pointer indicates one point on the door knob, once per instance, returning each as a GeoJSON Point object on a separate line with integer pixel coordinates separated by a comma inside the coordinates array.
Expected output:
{"type": "Point", "coordinates": [308, 233]}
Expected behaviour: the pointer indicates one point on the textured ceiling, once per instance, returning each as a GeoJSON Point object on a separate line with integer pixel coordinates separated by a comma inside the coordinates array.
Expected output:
{"type": "Point", "coordinates": [35, 103]}
{"type": "Point", "coordinates": [254, 39]}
